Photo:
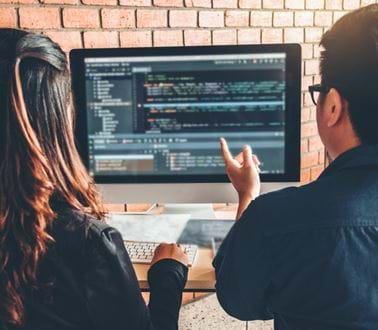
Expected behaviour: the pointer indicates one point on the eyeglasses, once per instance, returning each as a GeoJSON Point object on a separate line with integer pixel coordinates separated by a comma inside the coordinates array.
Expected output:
{"type": "Point", "coordinates": [316, 89]}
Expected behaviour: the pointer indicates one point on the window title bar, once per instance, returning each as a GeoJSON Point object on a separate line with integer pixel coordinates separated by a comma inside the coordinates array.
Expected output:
{"type": "Point", "coordinates": [179, 58]}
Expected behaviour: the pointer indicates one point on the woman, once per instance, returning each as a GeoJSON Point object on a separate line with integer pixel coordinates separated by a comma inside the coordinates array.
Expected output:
{"type": "Point", "coordinates": [60, 268]}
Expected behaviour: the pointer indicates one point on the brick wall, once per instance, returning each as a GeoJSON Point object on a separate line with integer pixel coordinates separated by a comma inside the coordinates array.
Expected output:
{"type": "Point", "coordinates": [139, 23]}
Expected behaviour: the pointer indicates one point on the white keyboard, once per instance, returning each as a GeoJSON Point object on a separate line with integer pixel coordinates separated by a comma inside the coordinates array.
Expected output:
{"type": "Point", "coordinates": [142, 252]}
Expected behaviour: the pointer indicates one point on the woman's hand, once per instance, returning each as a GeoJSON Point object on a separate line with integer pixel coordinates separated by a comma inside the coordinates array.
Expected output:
{"type": "Point", "coordinates": [243, 171]}
{"type": "Point", "coordinates": [170, 251]}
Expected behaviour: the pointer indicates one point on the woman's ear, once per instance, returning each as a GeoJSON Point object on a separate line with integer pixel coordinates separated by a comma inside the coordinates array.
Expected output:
{"type": "Point", "coordinates": [335, 107]}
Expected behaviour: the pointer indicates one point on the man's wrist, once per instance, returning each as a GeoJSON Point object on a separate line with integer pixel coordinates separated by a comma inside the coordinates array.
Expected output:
{"type": "Point", "coordinates": [245, 196]}
{"type": "Point", "coordinates": [248, 195]}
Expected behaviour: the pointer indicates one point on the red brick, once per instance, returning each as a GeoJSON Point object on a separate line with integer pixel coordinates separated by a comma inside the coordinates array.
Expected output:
{"type": "Point", "coordinates": [81, 18]}
{"type": "Point", "coordinates": [8, 18]}
{"type": "Point", "coordinates": [351, 4]}
{"type": "Point", "coordinates": [224, 37]}
{"type": "Point", "coordinates": [100, 39]}
{"type": "Point", "coordinates": [334, 4]}
{"type": "Point", "coordinates": [118, 18]}
{"type": "Point", "coordinates": [316, 171]}
{"type": "Point", "coordinates": [152, 18]}
{"type": "Point", "coordinates": [60, 2]}
{"type": "Point", "coordinates": [306, 81]}
{"type": "Point", "coordinates": [338, 14]}
{"type": "Point", "coordinates": [367, 2]}
{"type": "Point", "coordinates": [272, 36]}
{"type": "Point", "coordinates": [309, 159]}
{"type": "Point", "coordinates": [309, 129]}
{"type": "Point", "coordinates": [100, 2]}
{"type": "Point", "coordinates": [197, 37]}
{"type": "Point", "coordinates": [249, 36]}
{"type": "Point", "coordinates": [136, 39]}
{"type": "Point", "coordinates": [313, 34]}
{"type": "Point", "coordinates": [313, 113]}
{"type": "Point", "coordinates": [66, 39]}
{"type": "Point", "coordinates": [295, 4]}
{"type": "Point", "coordinates": [323, 18]}
{"type": "Point", "coordinates": [315, 4]}
{"type": "Point", "coordinates": [182, 18]}
{"type": "Point", "coordinates": [198, 3]}
{"type": "Point", "coordinates": [225, 3]}
{"type": "Point", "coordinates": [250, 4]}
{"type": "Point", "coordinates": [237, 18]}
{"type": "Point", "coordinates": [317, 79]}
{"type": "Point", "coordinates": [305, 176]}
{"type": "Point", "coordinates": [211, 19]}
{"type": "Point", "coordinates": [321, 158]}
{"type": "Point", "coordinates": [282, 18]}
{"type": "Point", "coordinates": [261, 18]}
{"type": "Point", "coordinates": [39, 18]}
{"type": "Point", "coordinates": [307, 52]}
{"type": "Point", "coordinates": [305, 115]}
{"type": "Point", "coordinates": [304, 146]}
{"type": "Point", "coordinates": [317, 51]}
{"type": "Point", "coordinates": [19, 1]}
{"type": "Point", "coordinates": [273, 4]}
{"type": "Point", "coordinates": [168, 38]}
{"type": "Point", "coordinates": [293, 35]}
{"type": "Point", "coordinates": [315, 143]}
{"type": "Point", "coordinates": [307, 100]}
{"type": "Point", "coordinates": [304, 18]}
{"type": "Point", "coordinates": [136, 3]}
{"type": "Point", "coordinates": [168, 3]}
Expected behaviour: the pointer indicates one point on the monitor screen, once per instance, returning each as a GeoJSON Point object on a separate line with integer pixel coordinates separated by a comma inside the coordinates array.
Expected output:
{"type": "Point", "coordinates": [162, 115]}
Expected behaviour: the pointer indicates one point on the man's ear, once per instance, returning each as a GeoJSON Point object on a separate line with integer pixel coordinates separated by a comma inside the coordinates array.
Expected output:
{"type": "Point", "coordinates": [336, 107]}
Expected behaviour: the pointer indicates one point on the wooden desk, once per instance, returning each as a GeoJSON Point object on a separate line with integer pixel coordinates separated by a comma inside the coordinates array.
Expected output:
{"type": "Point", "coordinates": [201, 277]}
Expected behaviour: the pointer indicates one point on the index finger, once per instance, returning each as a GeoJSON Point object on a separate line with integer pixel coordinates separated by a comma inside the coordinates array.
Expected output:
{"type": "Point", "coordinates": [225, 151]}
{"type": "Point", "coordinates": [247, 155]}
{"type": "Point", "coordinates": [161, 245]}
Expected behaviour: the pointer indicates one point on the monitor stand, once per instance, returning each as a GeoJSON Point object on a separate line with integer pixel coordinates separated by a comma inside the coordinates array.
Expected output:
{"type": "Point", "coordinates": [197, 211]}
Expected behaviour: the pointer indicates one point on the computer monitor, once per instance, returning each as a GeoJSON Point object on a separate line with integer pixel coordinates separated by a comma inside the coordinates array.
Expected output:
{"type": "Point", "coordinates": [149, 119]}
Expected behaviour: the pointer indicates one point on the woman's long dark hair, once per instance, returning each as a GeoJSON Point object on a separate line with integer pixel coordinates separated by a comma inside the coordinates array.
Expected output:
{"type": "Point", "coordinates": [39, 162]}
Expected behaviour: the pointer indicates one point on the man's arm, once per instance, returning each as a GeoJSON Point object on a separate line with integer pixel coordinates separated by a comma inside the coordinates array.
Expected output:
{"type": "Point", "coordinates": [242, 264]}
{"type": "Point", "coordinates": [243, 269]}
{"type": "Point", "coordinates": [243, 172]}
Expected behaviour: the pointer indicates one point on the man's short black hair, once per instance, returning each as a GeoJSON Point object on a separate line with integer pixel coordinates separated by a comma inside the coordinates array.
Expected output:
{"type": "Point", "coordinates": [349, 62]}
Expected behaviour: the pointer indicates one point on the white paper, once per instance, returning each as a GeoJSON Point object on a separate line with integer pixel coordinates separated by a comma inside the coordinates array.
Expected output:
{"type": "Point", "coordinates": [149, 228]}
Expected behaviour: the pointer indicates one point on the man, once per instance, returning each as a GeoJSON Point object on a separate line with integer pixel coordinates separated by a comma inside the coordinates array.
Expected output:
{"type": "Point", "coordinates": [308, 256]}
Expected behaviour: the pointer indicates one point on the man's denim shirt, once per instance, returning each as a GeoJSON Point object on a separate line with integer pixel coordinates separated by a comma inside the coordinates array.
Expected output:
{"type": "Point", "coordinates": [308, 256]}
